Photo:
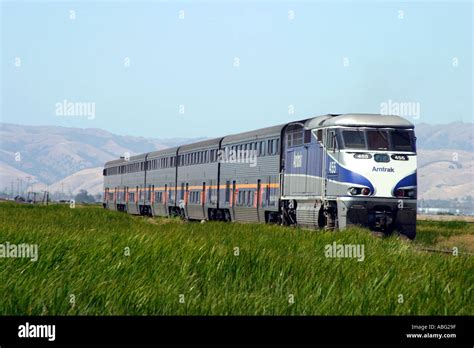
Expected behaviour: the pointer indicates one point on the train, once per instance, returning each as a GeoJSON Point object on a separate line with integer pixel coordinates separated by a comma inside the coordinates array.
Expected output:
{"type": "Point", "coordinates": [326, 172]}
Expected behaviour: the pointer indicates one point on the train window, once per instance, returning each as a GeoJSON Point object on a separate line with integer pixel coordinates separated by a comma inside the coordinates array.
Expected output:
{"type": "Point", "coordinates": [401, 140]}
{"type": "Point", "coordinates": [307, 136]}
{"type": "Point", "coordinates": [377, 140]}
{"type": "Point", "coordinates": [181, 196]}
{"type": "Point", "coordinates": [297, 139]}
{"type": "Point", "coordinates": [353, 139]}
{"type": "Point", "coordinates": [319, 135]}
{"type": "Point", "coordinates": [227, 191]}
{"type": "Point", "coordinates": [333, 140]}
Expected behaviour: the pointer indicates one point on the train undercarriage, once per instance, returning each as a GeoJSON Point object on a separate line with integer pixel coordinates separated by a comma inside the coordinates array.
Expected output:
{"type": "Point", "coordinates": [377, 214]}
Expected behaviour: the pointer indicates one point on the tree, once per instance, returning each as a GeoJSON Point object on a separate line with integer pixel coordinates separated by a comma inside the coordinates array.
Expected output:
{"type": "Point", "coordinates": [84, 197]}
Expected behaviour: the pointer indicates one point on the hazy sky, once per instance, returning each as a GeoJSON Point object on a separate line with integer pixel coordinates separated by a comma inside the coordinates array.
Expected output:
{"type": "Point", "coordinates": [191, 69]}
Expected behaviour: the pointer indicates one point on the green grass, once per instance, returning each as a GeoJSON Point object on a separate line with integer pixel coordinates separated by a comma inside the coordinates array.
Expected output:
{"type": "Point", "coordinates": [81, 253]}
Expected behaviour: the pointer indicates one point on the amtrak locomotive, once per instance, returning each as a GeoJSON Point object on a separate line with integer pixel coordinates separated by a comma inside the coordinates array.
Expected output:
{"type": "Point", "coordinates": [329, 171]}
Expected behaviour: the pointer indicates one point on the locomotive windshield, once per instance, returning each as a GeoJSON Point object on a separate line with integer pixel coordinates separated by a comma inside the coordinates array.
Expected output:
{"type": "Point", "coordinates": [377, 139]}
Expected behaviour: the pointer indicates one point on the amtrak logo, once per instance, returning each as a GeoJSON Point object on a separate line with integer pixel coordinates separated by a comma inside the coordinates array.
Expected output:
{"type": "Point", "coordinates": [383, 169]}
{"type": "Point", "coordinates": [297, 160]}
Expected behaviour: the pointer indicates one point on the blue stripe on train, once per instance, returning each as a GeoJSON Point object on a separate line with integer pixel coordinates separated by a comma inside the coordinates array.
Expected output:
{"type": "Point", "coordinates": [336, 172]}
{"type": "Point", "coordinates": [310, 163]}
{"type": "Point", "coordinates": [407, 181]}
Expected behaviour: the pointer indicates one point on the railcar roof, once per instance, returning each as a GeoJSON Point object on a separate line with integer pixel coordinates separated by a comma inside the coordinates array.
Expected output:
{"type": "Point", "coordinates": [254, 134]}
{"type": "Point", "coordinates": [171, 151]}
{"type": "Point", "coordinates": [200, 144]}
{"type": "Point", "coordinates": [364, 120]}
{"type": "Point", "coordinates": [121, 160]}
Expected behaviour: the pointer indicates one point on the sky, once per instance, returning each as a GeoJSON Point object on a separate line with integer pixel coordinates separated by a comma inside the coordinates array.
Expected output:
{"type": "Point", "coordinates": [206, 68]}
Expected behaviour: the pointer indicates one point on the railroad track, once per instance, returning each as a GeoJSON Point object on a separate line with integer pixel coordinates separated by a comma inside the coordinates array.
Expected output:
{"type": "Point", "coordinates": [442, 251]}
{"type": "Point", "coordinates": [469, 219]}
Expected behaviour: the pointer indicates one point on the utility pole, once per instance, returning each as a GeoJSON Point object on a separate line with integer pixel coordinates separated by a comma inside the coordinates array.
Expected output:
{"type": "Point", "coordinates": [28, 183]}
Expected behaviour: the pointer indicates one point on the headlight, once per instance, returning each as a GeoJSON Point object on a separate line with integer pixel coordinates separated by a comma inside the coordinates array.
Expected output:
{"type": "Point", "coordinates": [354, 191]}
{"type": "Point", "coordinates": [411, 193]}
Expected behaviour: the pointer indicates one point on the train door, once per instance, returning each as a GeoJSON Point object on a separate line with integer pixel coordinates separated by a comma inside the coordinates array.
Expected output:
{"type": "Point", "coordinates": [203, 200]}
{"type": "Point", "coordinates": [234, 194]}
{"type": "Point", "coordinates": [258, 198]}
{"type": "Point", "coordinates": [331, 171]}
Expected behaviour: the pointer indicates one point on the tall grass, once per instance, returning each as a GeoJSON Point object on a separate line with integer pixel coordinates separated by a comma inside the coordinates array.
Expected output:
{"type": "Point", "coordinates": [82, 253]}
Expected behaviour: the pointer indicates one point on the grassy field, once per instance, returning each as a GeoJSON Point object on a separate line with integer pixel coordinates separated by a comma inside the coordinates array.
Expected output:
{"type": "Point", "coordinates": [179, 268]}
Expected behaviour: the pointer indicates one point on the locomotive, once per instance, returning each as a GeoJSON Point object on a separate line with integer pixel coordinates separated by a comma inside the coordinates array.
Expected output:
{"type": "Point", "coordinates": [329, 171]}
